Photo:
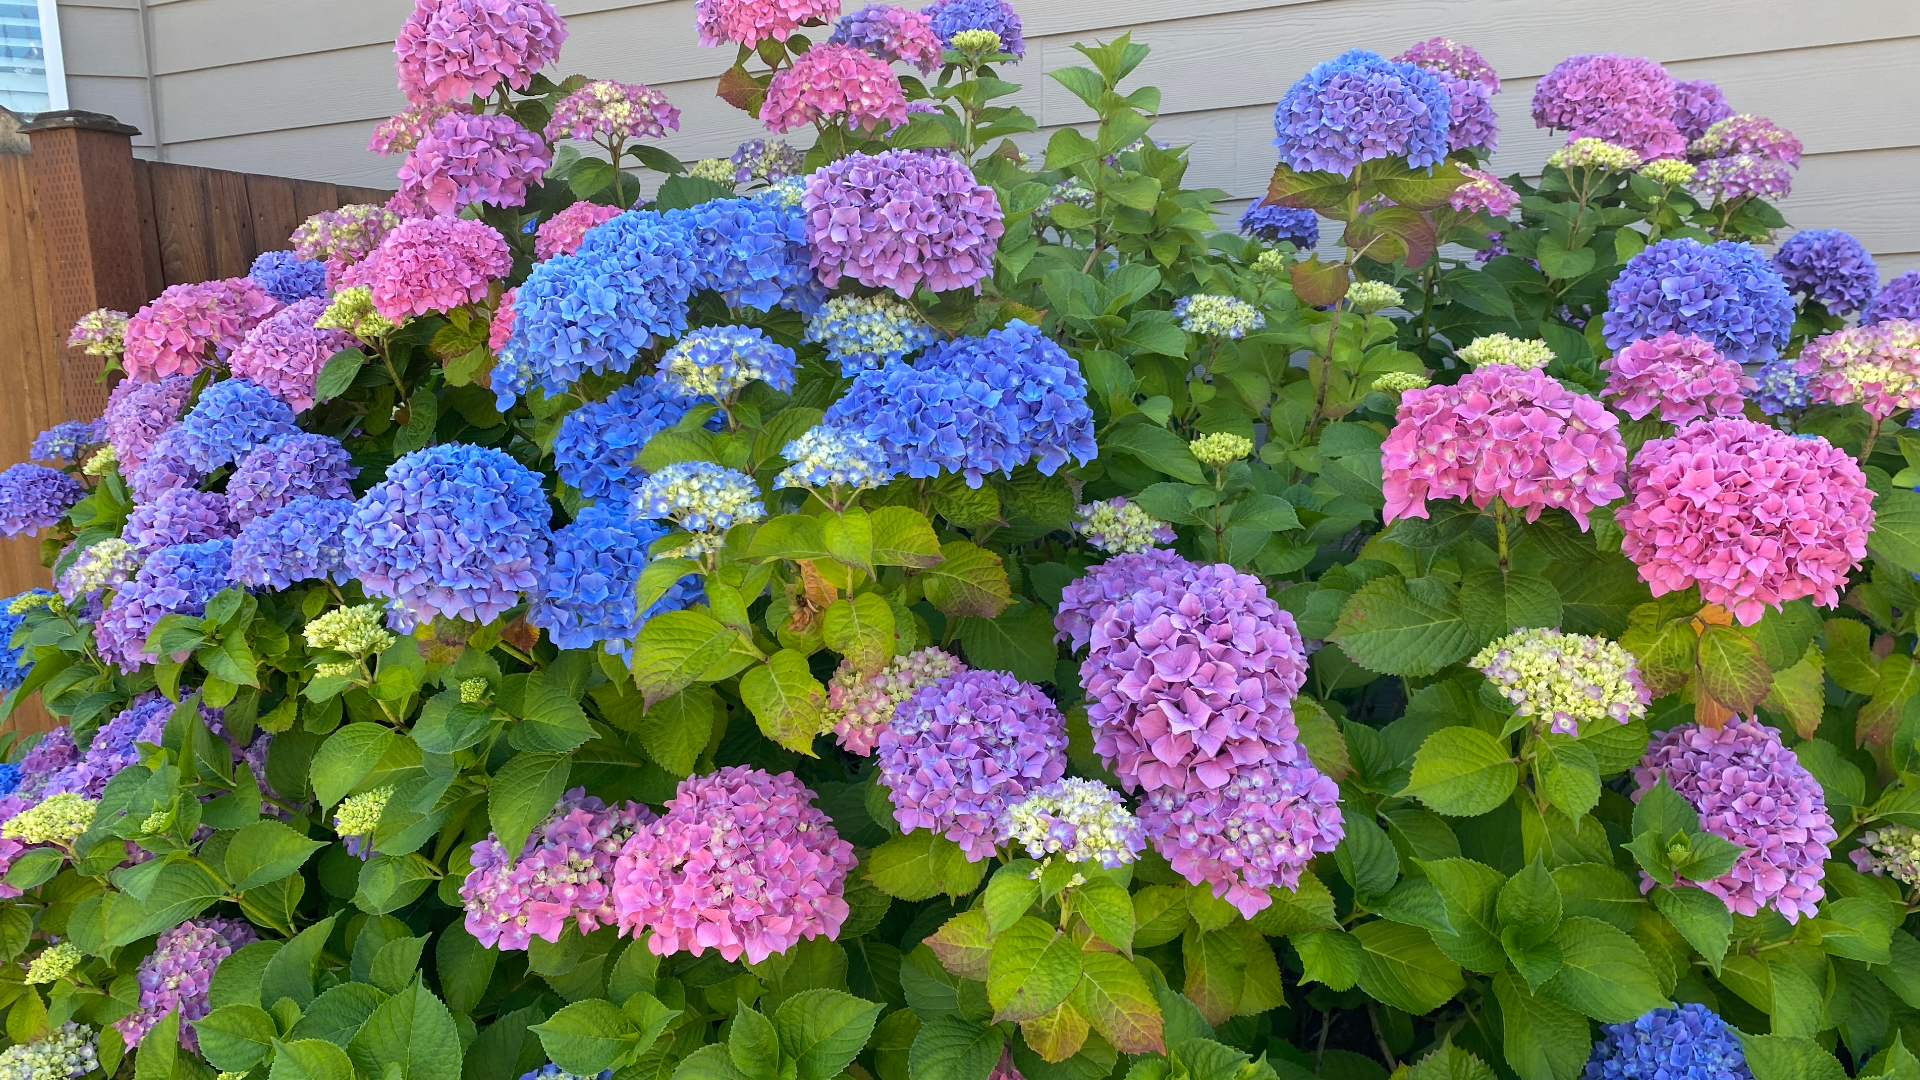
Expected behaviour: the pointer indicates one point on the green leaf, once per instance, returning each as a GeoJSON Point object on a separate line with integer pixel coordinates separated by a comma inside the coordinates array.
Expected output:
{"type": "Point", "coordinates": [235, 1038]}
{"type": "Point", "coordinates": [309, 1059]}
{"type": "Point", "coordinates": [1449, 1062]}
{"type": "Point", "coordinates": [266, 851]}
{"type": "Point", "coordinates": [587, 1036]}
{"type": "Point", "coordinates": [787, 701]}
{"type": "Point", "coordinates": [1117, 1002]}
{"type": "Point", "coordinates": [339, 1013]}
{"type": "Point", "coordinates": [1478, 290]}
{"type": "Point", "coordinates": [860, 628]}
{"type": "Point", "coordinates": [1896, 529]}
{"type": "Point", "coordinates": [1789, 1057]}
{"type": "Point", "coordinates": [1463, 772]}
{"type": "Point", "coordinates": [903, 536]}
{"type": "Point", "coordinates": [1701, 917]}
{"type": "Point", "coordinates": [754, 1046]}
{"type": "Point", "coordinates": [964, 945]}
{"type": "Point", "coordinates": [676, 648]}
{"type": "Point", "coordinates": [969, 580]}
{"type": "Point", "coordinates": [1732, 668]}
{"type": "Point", "coordinates": [1570, 777]}
{"type": "Point", "coordinates": [1108, 910]}
{"type": "Point", "coordinates": [1470, 892]}
{"type": "Point", "coordinates": [922, 864]}
{"type": "Point", "coordinates": [1067, 148]}
{"type": "Point", "coordinates": [822, 1030]}
{"type": "Point", "coordinates": [710, 1062]}
{"type": "Point", "coordinates": [1402, 626]}
{"type": "Point", "coordinates": [338, 373]}
{"type": "Point", "coordinates": [1604, 975]}
{"type": "Point", "coordinates": [1156, 448]}
{"type": "Point", "coordinates": [1019, 641]}
{"type": "Point", "coordinates": [1329, 957]}
{"type": "Point", "coordinates": [1366, 857]}
{"type": "Point", "coordinates": [1558, 262]}
{"type": "Point", "coordinates": [1032, 969]}
{"type": "Point", "coordinates": [1010, 893]}
{"type": "Point", "coordinates": [1307, 906]}
{"type": "Point", "coordinates": [395, 963]}
{"type": "Point", "coordinates": [1401, 966]}
{"type": "Point", "coordinates": [675, 731]}
{"type": "Point", "coordinates": [1543, 1040]}
{"type": "Point", "coordinates": [523, 793]}
{"type": "Point", "coordinates": [412, 1030]}
{"type": "Point", "coordinates": [347, 757]}
{"type": "Point", "coordinates": [181, 891]}
{"type": "Point", "coordinates": [952, 1048]}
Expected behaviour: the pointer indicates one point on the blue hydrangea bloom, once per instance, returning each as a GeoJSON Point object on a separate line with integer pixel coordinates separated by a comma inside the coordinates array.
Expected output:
{"type": "Point", "coordinates": [973, 406]}
{"type": "Point", "coordinates": [34, 497]}
{"type": "Point", "coordinates": [64, 441]}
{"type": "Point", "coordinates": [9, 778]}
{"type": "Point", "coordinates": [594, 310]}
{"type": "Point", "coordinates": [700, 497]}
{"type": "Point", "coordinates": [949, 17]}
{"type": "Point", "coordinates": [1687, 1043]}
{"type": "Point", "coordinates": [869, 331]}
{"type": "Point", "coordinates": [14, 665]}
{"type": "Point", "coordinates": [597, 442]}
{"type": "Point", "coordinates": [1726, 293]}
{"type": "Point", "coordinates": [589, 589]}
{"type": "Point", "coordinates": [1360, 106]}
{"type": "Point", "coordinates": [115, 746]}
{"type": "Point", "coordinates": [454, 530]}
{"type": "Point", "coordinates": [753, 252]}
{"type": "Point", "coordinates": [1830, 266]}
{"type": "Point", "coordinates": [301, 541]}
{"type": "Point", "coordinates": [176, 580]}
{"type": "Point", "coordinates": [275, 473]}
{"type": "Point", "coordinates": [287, 277]}
{"type": "Point", "coordinates": [232, 417]}
{"type": "Point", "coordinates": [718, 361]}
{"type": "Point", "coordinates": [827, 457]}
{"type": "Point", "coordinates": [1272, 223]}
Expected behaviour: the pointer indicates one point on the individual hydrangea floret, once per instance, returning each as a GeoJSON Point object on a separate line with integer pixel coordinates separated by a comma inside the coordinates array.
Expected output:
{"type": "Point", "coordinates": [1367, 297]}
{"type": "Point", "coordinates": [355, 631]}
{"type": "Point", "coordinates": [58, 819]}
{"type": "Point", "coordinates": [827, 458]}
{"type": "Point", "coordinates": [1527, 354]}
{"type": "Point", "coordinates": [285, 353]}
{"type": "Point", "coordinates": [287, 277]}
{"type": "Point", "coordinates": [1507, 433]}
{"type": "Point", "coordinates": [1727, 293]}
{"type": "Point", "coordinates": [588, 596]}
{"type": "Point", "coordinates": [1217, 316]}
{"type": "Point", "coordinates": [1627, 100]}
{"type": "Point", "coordinates": [432, 264]}
{"type": "Point", "coordinates": [1274, 224]}
{"type": "Point", "coordinates": [1689, 1042]}
{"type": "Point", "coordinates": [1591, 153]}
{"type": "Point", "coordinates": [613, 111]}
{"type": "Point", "coordinates": [356, 818]}
{"type": "Point", "coordinates": [702, 498]}
{"type": "Point", "coordinates": [67, 1053]}
{"type": "Point", "coordinates": [352, 310]}
{"type": "Point", "coordinates": [719, 361]}
{"type": "Point", "coordinates": [1442, 54]}
{"type": "Point", "coordinates": [1564, 680]}
{"type": "Point", "coordinates": [832, 82]}
{"type": "Point", "coordinates": [472, 158]}
{"type": "Point", "coordinates": [1256, 831]}
{"type": "Point", "coordinates": [177, 516]}
{"type": "Point", "coordinates": [1119, 527]}
{"type": "Point", "coordinates": [1483, 191]}
{"type": "Point", "coordinates": [137, 412]}
{"type": "Point", "coordinates": [1890, 851]}
{"type": "Point", "coordinates": [1396, 382]}
{"type": "Point", "coordinates": [869, 331]}
{"type": "Point", "coordinates": [953, 17]}
{"type": "Point", "coordinates": [108, 564]}
{"type": "Point", "coordinates": [1682, 377]}
{"type": "Point", "coordinates": [1698, 105]}
{"type": "Point", "coordinates": [300, 541]}
{"type": "Point", "coordinates": [454, 530]}
{"type": "Point", "coordinates": [232, 417]}
{"type": "Point", "coordinates": [1752, 515]}
{"type": "Point", "coordinates": [1899, 298]}
{"type": "Point", "coordinates": [54, 963]}
{"type": "Point", "coordinates": [1744, 176]}
{"type": "Point", "coordinates": [1669, 172]}
{"type": "Point", "coordinates": [34, 497]}
{"type": "Point", "coordinates": [1751, 791]}
{"type": "Point", "coordinates": [178, 974]}
{"type": "Point", "coordinates": [101, 332]}
{"type": "Point", "coordinates": [597, 443]}
{"type": "Point", "coordinates": [1829, 266]}
{"type": "Point", "coordinates": [960, 752]}
{"type": "Point", "coordinates": [564, 874]}
{"type": "Point", "coordinates": [901, 219]}
{"type": "Point", "coordinates": [859, 707]}
{"type": "Point", "coordinates": [1875, 366]}
{"type": "Point", "coordinates": [453, 50]}
{"type": "Point", "coordinates": [1220, 449]}
{"type": "Point", "coordinates": [64, 442]}
{"type": "Point", "coordinates": [1082, 821]}
{"type": "Point", "coordinates": [178, 580]}
{"type": "Point", "coordinates": [275, 473]}
{"type": "Point", "coordinates": [891, 33]}
{"type": "Point", "coordinates": [1358, 107]}
{"type": "Point", "coordinates": [765, 161]}
{"type": "Point", "coordinates": [175, 333]}
{"type": "Point", "coordinates": [562, 233]}
{"type": "Point", "coordinates": [741, 862]}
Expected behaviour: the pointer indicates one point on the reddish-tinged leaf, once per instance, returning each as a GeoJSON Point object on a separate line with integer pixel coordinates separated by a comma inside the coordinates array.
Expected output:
{"type": "Point", "coordinates": [1216, 964]}
{"type": "Point", "coordinates": [1319, 283]}
{"type": "Point", "coordinates": [963, 945]}
{"type": "Point", "coordinates": [1058, 1035]}
{"type": "Point", "coordinates": [1115, 999]}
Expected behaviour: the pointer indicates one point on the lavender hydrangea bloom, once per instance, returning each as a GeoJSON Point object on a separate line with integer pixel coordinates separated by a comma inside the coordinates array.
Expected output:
{"type": "Point", "coordinates": [301, 541]}
{"type": "Point", "coordinates": [274, 474]}
{"type": "Point", "coordinates": [752, 251]}
{"type": "Point", "coordinates": [900, 220]}
{"type": "Point", "coordinates": [1256, 831]}
{"type": "Point", "coordinates": [1360, 106]}
{"type": "Point", "coordinates": [1697, 106]}
{"type": "Point", "coordinates": [952, 16]}
{"type": "Point", "coordinates": [287, 277]}
{"type": "Point", "coordinates": [34, 497]}
{"type": "Point", "coordinates": [232, 417]}
{"type": "Point", "coordinates": [1897, 299]}
{"type": "Point", "coordinates": [177, 516]}
{"type": "Point", "coordinates": [1273, 223]}
{"type": "Point", "coordinates": [168, 464]}
{"type": "Point", "coordinates": [1726, 293]}
{"type": "Point", "coordinates": [1110, 582]}
{"type": "Point", "coordinates": [453, 530]}
{"type": "Point", "coordinates": [1445, 55]}
{"type": "Point", "coordinates": [64, 441]}
{"type": "Point", "coordinates": [1829, 266]}
{"type": "Point", "coordinates": [963, 750]}
{"type": "Point", "coordinates": [176, 580]}
{"type": "Point", "coordinates": [177, 976]}
{"type": "Point", "coordinates": [1471, 124]}
{"type": "Point", "coordinates": [564, 874]}
{"type": "Point", "coordinates": [1626, 100]}
{"type": "Point", "coordinates": [974, 405]}
{"type": "Point", "coordinates": [136, 414]}
{"type": "Point", "coordinates": [115, 746]}
{"type": "Point", "coordinates": [588, 594]}
{"type": "Point", "coordinates": [1690, 1042]}
{"type": "Point", "coordinates": [597, 443]}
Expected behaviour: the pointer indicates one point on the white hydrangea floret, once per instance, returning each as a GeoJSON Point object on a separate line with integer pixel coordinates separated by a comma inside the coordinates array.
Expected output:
{"type": "Point", "coordinates": [1529, 354]}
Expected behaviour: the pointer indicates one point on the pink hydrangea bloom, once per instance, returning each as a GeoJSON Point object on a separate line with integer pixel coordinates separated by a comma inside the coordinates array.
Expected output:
{"type": "Point", "coordinates": [173, 333]}
{"type": "Point", "coordinates": [1192, 679]}
{"type": "Point", "coordinates": [432, 264]}
{"type": "Point", "coordinates": [1753, 515]}
{"type": "Point", "coordinates": [1751, 791]}
{"type": "Point", "coordinates": [891, 33]}
{"type": "Point", "coordinates": [137, 412]}
{"type": "Point", "coordinates": [564, 873]}
{"type": "Point", "coordinates": [501, 328]}
{"type": "Point", "coordinates": [1256, 831]}
{"type": "Point", "coordinates": [452, 50]}
{"type": "Point", "coordinates": [561, 234]}
{"type": "Point", "coordinates": [1483, 191]}
{"type": "Point", "coordinates": [1447, 55]}
{"type": "Point", "coordinates": [343, 237]}
{"type": "Point", "coordinates": [1507, 433]}
{"type": "Point", "coordinates": [750, 22]}
{"type": "Point", "coordinates": [860, 706]}
{"type": "Point", "coordinates": [1108, 583]}
{"type": "Point", "coordinates": [403, 131]}
{"type": "Point", "coordinates": [285, 353]}
{"type": "Point", "coordinates": [605, 109]}
{"type": "Point", "coordinates": [899, 219]}
{"type": "Point", "coordinates": [741, 862]}
{"type": "Point", "coordinates": [1682, 376]}
{"type": "Point", "coordinates": [1876, 366]}
{"type": "Point", "coordinates": [473, 159]}
{"type": "Point", "coordinates": [830, 81]}
{"type": "Point", "coordinates": [1626, 100]}
{"type": "Point", "coordinates": [1741, 176]}
{"type": "Point", "coordinates": [178, 974]}
{"type": "Point", "coordinates": [1747, 134]}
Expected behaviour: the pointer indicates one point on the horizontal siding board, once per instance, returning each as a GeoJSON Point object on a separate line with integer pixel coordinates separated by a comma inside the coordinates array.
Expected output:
{"type": "Point", "coordinates": [123, 98]}
{"type": "Point", "coordinates": [101, 41]}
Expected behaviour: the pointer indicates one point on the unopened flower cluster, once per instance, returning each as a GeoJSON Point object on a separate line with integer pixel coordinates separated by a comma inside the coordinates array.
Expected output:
{"type": "Point", "coordinates": [1530, 354]}
{"type": "Point", "coordinates": [1218, 316]}
{"type": "Point", "coordinates": [701, 497]}
{"type": "Point", "coordinates": [868, 331]}
{"type": "Point", "coordinates": [1565, 680]}
{"type": "Point", "coordinates": [1119, 527]}
{"type": "Point", "coordinates": [827, 457]}
{"type": "Point", "coordinates": [1892, 851]}
{"type": "Point", "coordinates": [1082, 821]}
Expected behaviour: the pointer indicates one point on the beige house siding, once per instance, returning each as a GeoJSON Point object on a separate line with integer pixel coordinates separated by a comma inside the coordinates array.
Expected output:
{"type": "Point", "coordinates": [294, 86]}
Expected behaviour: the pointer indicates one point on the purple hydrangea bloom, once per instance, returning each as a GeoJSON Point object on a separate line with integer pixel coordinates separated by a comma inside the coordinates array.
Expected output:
{"type": "Point", "coordinates": [64, 441]}
{"type": "Point", "coordinates": [1360, 106]}
{"type": "Point", "coordinates": [274, 474]}
{"type": "Point", "coordinates": [1697, 106]}
{"type": "Point", "coordinates": [1445, 55]}
{"type": "Point", "coordinates": [1110, 582]}
{"type": "Point", "coordinates": [178, 973]}
{"type": "Point", "coordinates": [1741, 176]}
{"type": "Point", "coordinates": [453, 530]}
{"type": "Point", "coordinates": [588, 596]}
{"type": "Point", "coordinates": [973, 406]}
{"type": "Point", "coordinates": [136, 414]}
{"type": "Point", "coordinates": [115, 746]}
{"type": "Point", "coordinates": [177, 516]}
{"type": "Point", "coordinates": [286, 352]}
{"type": "Point", "coordinates": [891, 33]}
{"type": "Point", "coordinates": [952, 16]}
{"type": "Point", "coordinates": [55, 751]}
{"type": "Point", "coordinates": [231, 418]}
{"type": "Point", "coordinates": [1254, 832]}
{"type": "Point", "coordinates": [960, 752]}
{"type": "Point", "coordinates": [1897, 299]}
{"type": "Point", "coordinates": [168, 465]}
{"type": "Point", "coordinates": [752, 251]}
{"type": "Point", "coordinates": [1273, 223]}
{"type": "Point", "coordinates": [15, 665]}
{"type": "Point", "coordinates": [899, 220]}
{"type": "Point", "coordinates": [564, 874]}
{"type": "Point", "coordinates": [287, 277]}
{"type": "Point", "coordinates": [1779, 388]}
{"type": "Point", "coordinates": [1752, 791]}
{"type": "Point", "coordinates": [34, 497]}
{"type": "Point", "coordinates": [176, 580]}
{"type": "Point", "coordinates": [1726, 293]}
{"type": "Point", "coordinates": [1829, 266]}
{"type": "Point", "coordinates": [301, 541]}
{"type": "Point", "coordinates": [1690, 1042]}
{"type": "Point", "coordinates": [1471, 124]}
{"type": "Point", "coordinates": [597, 442]}
{"type": "Point", "coordinates": [1626, 100]}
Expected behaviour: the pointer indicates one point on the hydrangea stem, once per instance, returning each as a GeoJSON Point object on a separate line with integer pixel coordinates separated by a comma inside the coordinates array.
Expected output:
{"type": "Point", "coordinates": [1500, 529]}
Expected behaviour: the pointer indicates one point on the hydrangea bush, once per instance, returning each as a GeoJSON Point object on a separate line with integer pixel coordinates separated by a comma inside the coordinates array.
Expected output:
{"type": "Point", "coordinates": [921, 601]}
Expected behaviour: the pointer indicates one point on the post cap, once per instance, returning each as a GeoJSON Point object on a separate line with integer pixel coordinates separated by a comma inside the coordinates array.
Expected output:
{"type": "Point", "coordinates": [81, 120]}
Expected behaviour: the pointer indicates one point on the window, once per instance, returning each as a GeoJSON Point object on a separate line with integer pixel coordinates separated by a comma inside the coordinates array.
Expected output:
{"type": "Point", "coordinates": [32, 77]}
